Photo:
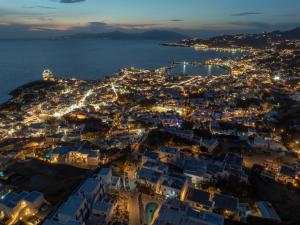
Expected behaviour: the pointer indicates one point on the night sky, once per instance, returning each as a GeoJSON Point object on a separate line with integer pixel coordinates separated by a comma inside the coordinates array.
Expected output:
{"type": "Point", "coordinates": [39, 18]}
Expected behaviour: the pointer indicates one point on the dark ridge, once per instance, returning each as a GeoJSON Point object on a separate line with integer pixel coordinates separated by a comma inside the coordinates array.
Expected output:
{"type": "Point", "coordinates": [118, 35]}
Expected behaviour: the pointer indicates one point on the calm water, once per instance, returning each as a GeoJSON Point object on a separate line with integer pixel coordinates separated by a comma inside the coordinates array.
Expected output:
{"type": "Point", "coordinates": [150, 210]}
{"type": "Point", "coordinates": [196, 70]}
{"type": "Point", "coordinates": [23, 61]}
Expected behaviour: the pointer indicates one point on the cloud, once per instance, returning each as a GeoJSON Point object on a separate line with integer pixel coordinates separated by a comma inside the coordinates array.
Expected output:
{"type": "Point", "coordinates": [251, 25]}
{"type": "Point", "coordinates": [127, 27]}
{"type": "Point", "coordinates": [246, 13]}
{"type": "Point", "coordinates": [44, 19]}
{"type": "Point", "coordinates": [261, 26]}
{"type": "Point", "coordinates": [45, 7]}
{"type": "Point", "coordinates": [28, 7]}
{"type": "Point", "coordinates": [4, 13]}
{"type": "Point", "coordinates": [290, 14]}
{"type": "Point", "coordinates": [137, 26]}
{"type": "Point", "coordinates": [177, 20]}
{"type": "Point", "coordinates": [38, 7]}
{"type": "Point", "coordinates": [47, 27]}
{"type": "Point", "coordinates": [95, 27]}
{"type": "Point", "coordinates": [71, 1]}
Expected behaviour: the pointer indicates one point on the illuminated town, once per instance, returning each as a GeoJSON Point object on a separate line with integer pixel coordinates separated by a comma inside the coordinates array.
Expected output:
{"type": "Point", "coordinates": [145, 147]}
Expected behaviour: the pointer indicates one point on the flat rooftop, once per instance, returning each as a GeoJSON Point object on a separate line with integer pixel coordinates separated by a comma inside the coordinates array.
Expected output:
{"type": "Point", "coordinates": [90, 185]}
{"type": "Point", "coordinates": [266, 210]}
{"type": "Point", "coordinates": [71, 206]}
{"type": "Point", "coordinates": [104, 171]}
{"type": "Point", "coordinates": [199, 197]}
{"type": "Point", "coordinates": [226, 202]}
{"type": "Point", "coordinates": [207, 217]}
{"type": "Point", "coordinates": [168, 150]}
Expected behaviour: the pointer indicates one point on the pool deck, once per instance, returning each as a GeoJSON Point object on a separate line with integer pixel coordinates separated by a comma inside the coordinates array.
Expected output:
{"type": "Point", "coordinates": [146, 199]}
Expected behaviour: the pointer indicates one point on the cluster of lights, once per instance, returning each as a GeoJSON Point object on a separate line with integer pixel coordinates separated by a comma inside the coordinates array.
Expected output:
{"type": "Point", "coordinates": [276, 78]}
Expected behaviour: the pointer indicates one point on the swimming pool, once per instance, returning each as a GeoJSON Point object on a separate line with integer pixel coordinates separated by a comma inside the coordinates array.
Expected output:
{"type": "Point", "coordinates": [150, 210]}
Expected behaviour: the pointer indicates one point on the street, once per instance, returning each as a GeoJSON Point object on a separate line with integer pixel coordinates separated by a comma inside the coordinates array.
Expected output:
{"type": "Point", "coordinates": [133, 209]}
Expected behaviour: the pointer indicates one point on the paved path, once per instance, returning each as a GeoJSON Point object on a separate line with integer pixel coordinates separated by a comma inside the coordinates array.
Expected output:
{"type": "Point", "coordinates": [133, 209]}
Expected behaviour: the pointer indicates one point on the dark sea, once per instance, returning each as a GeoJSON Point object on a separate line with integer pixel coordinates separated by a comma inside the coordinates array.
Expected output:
{"type": "Point", "coordinates": [22, 61]}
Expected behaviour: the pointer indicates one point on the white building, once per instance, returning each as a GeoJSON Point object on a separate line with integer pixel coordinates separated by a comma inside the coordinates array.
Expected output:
{"type": "Point", "coordinates": [116, 183]}
{"type": "Point", "coordinates": [172, 186]}
{"type": "Point", "coordinates": [169, 155]}
{"type": "Point", "coordinates": [75, 156]}
{"type": "Point", "coordinates": [105, 176]}
{"type": "Point", "coordinates": [150, 156]}
{"type": "Point", "coordinates": [16, 205]}
{"type": "Point", "coordinates": [103, 209]}
{"type": "Point", "coordinates": [156, 166]}
{"type": "Point", "coordinates": [261, 143]}
{"type": "Point", "coordinates": [184, 134]}
{"type": "Point", "coordinates": [178, 213]}
{"type": "Point", "coordinates": [84, 156]}
{"type": "Point", "coordinates": [267, 211]}
{"type": "Point", "coordinates": [210, 144]}
{"type": "Point", "coordinates": [53, 222]}
{"type": "Point", "coordinates": [90, 189]}
{"type": "Point", "coordinates": [74, 209]}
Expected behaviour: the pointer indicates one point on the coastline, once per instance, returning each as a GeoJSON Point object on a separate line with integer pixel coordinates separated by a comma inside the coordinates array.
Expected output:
{"type": "Point", "coordinates": [26, 61]}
